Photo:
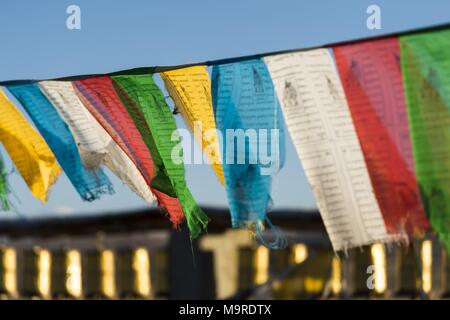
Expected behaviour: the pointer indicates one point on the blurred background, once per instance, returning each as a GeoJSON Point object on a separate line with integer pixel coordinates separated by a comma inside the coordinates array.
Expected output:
{"type": "Point", "coordinates": [117, 247]}
{"type": "Point", "coordinates": [136, 255]}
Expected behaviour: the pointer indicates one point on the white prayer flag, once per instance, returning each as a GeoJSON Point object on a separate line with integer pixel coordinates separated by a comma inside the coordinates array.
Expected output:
{"type": "Point", "coordinates": [320, 124]}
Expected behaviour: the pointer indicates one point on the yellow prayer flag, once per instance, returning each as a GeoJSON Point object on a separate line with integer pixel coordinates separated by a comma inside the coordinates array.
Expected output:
{"type": "Point", "coordinates": [190, 89]}
{"type": "Point", "coordinates": [27, 149]}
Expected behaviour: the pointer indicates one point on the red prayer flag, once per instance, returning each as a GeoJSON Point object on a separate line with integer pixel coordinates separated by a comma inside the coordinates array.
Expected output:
{"type": "Point", "coordinates": [370, 72]}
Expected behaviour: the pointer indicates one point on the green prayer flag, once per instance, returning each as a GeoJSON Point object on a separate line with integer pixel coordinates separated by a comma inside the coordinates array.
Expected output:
{"type": "Point", "coordinates": [426, 75]}
{"type": "Point", "coordinates": [4, 188]}
{"type": "Point", "coordinates": [146, 105]}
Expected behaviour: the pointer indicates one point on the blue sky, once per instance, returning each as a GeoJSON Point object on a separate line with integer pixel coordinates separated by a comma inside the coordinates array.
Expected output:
{"type": "Point", "coordinates": [35, 43]}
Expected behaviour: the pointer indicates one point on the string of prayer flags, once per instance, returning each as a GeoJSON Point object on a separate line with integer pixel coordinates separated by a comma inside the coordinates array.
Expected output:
{"type": "Point", "coordinates": [369, 119]}
{"type": "Point", "coordinates": [371, 76]}
{"type": "Point", "coordinates": [320, 124]}
{"type": "Point", "coordinates": [89, 184]}
{"type": "Point", "coordinates": [28, 151]}
{"type": "Point", "coordinates": [4, 187]}
{"type": "Point", "coordinates": [190, 89]}
{"type": "Point", "coordinates": [99, 97]}
{"type": "Point", "coordinates": [246, 106]}
{"type": "Point", "coordinates": [151, 114]}
{"type": "Point", "coordinates": [425, 60]}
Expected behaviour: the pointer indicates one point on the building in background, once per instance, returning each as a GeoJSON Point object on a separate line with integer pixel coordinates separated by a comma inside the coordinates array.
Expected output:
{"type": "Point", "coordinates": [136, 255]}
